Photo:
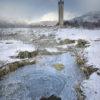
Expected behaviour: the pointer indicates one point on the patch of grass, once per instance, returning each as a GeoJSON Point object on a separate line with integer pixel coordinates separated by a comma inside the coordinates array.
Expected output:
{"type": "Point", "coordinates": [80, 60]}
{"type": "Point", "coordinates": [26, 54]}
{"type": "Point", "coordinates": [4, 71]}
{"type": "Point", "coordinates": [14, 66]}
{"type": "Point", "coordinates": [66, 41]}
{"type": "Point", "coordinates": [82, 43]}
{"type": "Point", "coordinates": [80, 57]}
{"type": "Point", "coordinates": [58, 67]}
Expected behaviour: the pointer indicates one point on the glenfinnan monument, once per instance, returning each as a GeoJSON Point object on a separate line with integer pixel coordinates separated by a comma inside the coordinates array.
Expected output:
{"type": "Point", "coordinates": [61, 12]}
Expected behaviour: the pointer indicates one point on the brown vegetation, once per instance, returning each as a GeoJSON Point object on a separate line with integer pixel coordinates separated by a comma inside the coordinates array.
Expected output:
{"type": "Point", "coordinates": [66, 41]}
{"type": "Point", "coordinates": [82, 43]}
{"type": "Point", "coordinates": [58, 67]}
{"type": "Point", "coordinates": [27, 54]}
{"type": "Point", "coordinates": [80, 95]}
{"type": "Point", "coordinates": [13, 66]}
{"type": "Point", "coordinates": [88, 70]}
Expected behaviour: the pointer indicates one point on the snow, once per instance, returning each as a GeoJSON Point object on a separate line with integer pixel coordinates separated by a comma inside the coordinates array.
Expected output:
{"type": "Point", "coordinates": [63, 46]}
{"type": "Point", "coordinates": [91, 87]}
{"type": "Point", "coordinates": [51, 50]}
{"type": "Point", "coordinates": [10, 48]}
{"type": "Point", "coordinates": [73, 33]}
{"type": "Point", "coordinates": [93, 54]}
{"type": "Point", "coordinates": [93, 36]}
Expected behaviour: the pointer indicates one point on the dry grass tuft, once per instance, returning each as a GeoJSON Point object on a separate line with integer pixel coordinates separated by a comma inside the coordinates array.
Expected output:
{"type": "Point", "coordinates": [82, 43]}
{"type": "Point", "coordinates": [14, 66]}
{"type": "Point", "coordinates": [88, 70]}
{"type": "Point", "coordinates": [80, 95]}
{"type": "Point", "coordinates": [66, 41]}
{"type": "Point", "coordinates": [26, 54]}
{"type": "Point", "coordinates": [58, 67]}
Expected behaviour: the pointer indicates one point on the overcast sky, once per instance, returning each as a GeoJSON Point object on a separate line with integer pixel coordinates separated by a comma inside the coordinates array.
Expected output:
{"type": "Point", "coordinates": [40, 10]}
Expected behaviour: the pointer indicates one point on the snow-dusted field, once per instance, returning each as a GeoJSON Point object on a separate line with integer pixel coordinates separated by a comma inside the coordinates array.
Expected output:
{"type": "Point", "coordinates": [13, 44]}
{"type": "Point", "coordinates": [91, 87]}
{"type": "Point", "coordinates": [93, 36]}
{"type": "Point", "coordinates": [9, 48]}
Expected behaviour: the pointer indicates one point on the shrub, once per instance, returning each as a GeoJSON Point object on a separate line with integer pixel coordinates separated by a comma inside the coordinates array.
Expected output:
{"type": "Point", "coordinates": [88, 70]}
{"type": "Point", "coordinates": [82, 43]}
{"type": "Point", "coordinates": [14, 66]}
{"type": "Point", "coordinates": [80, 57]}
{"type": "Point", "coordinates": [66, 41]}
{"type": "Point", "coordinates": [26, 54]}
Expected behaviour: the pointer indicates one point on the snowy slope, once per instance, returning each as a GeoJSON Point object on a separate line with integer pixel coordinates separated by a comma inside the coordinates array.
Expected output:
{"type": "Point", "coordinates": [89, 20]}
{"type": "Point", "coordinates": [89, 17]}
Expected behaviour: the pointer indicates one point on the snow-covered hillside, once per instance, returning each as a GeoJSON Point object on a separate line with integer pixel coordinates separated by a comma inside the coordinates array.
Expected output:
{"type": "Point", "coordinates": [89, 17]}
{"type": "Point", "coordinates": [89, 20]}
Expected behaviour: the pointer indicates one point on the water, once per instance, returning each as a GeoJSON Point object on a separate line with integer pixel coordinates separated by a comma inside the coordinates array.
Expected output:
{"type": "Point", "coordinates": [42, 79]}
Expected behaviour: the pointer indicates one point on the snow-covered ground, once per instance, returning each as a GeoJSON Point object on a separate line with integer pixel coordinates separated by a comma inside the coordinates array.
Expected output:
{"type": "Point", "coordinates": [93, 36]}
{"type": "Point", "coordinates": [90, 87]}
{"type": "Point", "coordinates": [9, 48]}
{"type": "Point", "coordinates": [51, 49]}
{"type": "Point", "coordinates": [73, 33]}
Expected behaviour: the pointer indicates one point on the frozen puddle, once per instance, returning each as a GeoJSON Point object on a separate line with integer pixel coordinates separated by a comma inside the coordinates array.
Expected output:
{"type": "Point", "coordinates": [34, 81]}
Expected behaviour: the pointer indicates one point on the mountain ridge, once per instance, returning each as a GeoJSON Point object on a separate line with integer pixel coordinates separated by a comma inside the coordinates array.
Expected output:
{"type": "Point", "coordinates": [89, 20]}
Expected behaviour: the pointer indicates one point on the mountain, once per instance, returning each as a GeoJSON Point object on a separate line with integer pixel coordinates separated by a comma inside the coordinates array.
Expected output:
{"type": "Point", "coordinates": [12, 24]}
{"type": "Point", "coordinates": [89, 20]}
{"type": "Point", "coordinates": [8, 23]}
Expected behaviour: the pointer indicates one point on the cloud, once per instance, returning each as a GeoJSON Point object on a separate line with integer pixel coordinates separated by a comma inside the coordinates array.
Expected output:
{"type": "Point", "coordinates": [53, 16]}
{"type": "Point", "coordinates": [44, 10]}
{"type": "Point", "coordinates": [89, 5]}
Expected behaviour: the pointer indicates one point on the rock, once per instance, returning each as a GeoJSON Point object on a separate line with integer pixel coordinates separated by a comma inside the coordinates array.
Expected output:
{"type": "Point", "coordinates": [51, 98]}
{"type": "Point", "coordinates": [98, 72]}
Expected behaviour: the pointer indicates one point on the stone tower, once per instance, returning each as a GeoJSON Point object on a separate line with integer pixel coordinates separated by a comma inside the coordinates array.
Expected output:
{"type": "Point", "coordinates": [61, 12]}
